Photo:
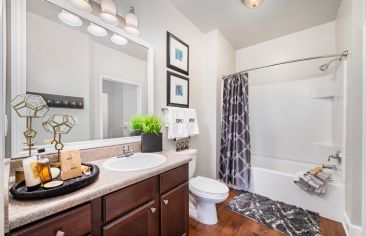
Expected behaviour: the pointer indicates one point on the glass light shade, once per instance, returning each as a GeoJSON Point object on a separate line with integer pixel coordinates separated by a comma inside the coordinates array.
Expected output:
{"type": "Point", "coordinates": [252, 3]}
{"type": "Point", "coordinates": [131, 18]}
{"type": "Point", "coordinates": [29, 105]}
{"type": "Point", "coordinates": [58, 124]}
{"type": "Point", "coordinates": [132, 30]}
{"type": "Point", "coordinates": [70, 19]}
{"type": "Point", "coordinates": [118, 39]}
{"type": "Point", "coordinates": [82, 5]}
{"type": "Point", "coordinates": [97, 30]}
{"type": "Point", "coordinates": [109, 12]}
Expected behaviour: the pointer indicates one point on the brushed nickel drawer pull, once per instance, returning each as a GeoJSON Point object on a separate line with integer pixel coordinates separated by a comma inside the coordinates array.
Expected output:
{"type": "Point", "coordinates": [166, 202]}
{"type": "Point", "coordinates": [153, 209]}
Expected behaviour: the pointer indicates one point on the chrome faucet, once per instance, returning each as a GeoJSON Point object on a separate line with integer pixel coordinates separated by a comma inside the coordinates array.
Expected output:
{"type": "Point", "coordinates": [337, 156]}
{"type": "Point", "coordinates": [127, 152]}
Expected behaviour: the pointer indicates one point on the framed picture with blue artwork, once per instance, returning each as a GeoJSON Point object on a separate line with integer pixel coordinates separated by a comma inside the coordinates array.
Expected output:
{"type": "Point", "coordinates": [178, 90]}
{"type": "Point", "coordinates": [177, 54]}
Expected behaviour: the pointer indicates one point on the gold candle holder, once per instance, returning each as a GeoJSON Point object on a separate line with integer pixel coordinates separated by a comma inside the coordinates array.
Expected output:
{"type": "Point", "coordinates": [29, 106]}
{"type": "Point", "coordinates": [58, 124]}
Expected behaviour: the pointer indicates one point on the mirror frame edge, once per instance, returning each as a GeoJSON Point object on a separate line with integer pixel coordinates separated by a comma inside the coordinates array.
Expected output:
{"type": "Point", "coordinates": [19, 70]}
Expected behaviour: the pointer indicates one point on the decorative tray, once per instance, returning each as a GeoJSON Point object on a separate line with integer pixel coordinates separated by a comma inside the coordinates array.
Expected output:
{"type": "Point", "coordinates": [19, 190]}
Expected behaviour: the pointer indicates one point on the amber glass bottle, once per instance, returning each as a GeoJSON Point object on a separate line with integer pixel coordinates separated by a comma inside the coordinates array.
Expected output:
{"type": "Point", "coordinates": [43, 167]}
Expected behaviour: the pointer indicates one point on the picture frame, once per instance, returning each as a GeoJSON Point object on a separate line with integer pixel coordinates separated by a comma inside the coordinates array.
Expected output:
{"type": "Point", "coordinates": [177, 90]}
{"type": "Point", "coordinates": [177, 54]}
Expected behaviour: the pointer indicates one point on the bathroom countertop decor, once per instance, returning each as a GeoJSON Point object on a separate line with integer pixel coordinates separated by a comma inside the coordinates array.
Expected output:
{"type": "Point", "coordinates": [25, 212]}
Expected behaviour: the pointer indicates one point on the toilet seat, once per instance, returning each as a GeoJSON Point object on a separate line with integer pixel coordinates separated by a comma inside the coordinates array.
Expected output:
{"type": "Point", "coordinates": [208, 188]}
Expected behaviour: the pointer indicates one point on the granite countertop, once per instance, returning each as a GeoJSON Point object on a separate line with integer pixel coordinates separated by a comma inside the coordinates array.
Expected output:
{"type": "Point", "coordinates": [24, 212]}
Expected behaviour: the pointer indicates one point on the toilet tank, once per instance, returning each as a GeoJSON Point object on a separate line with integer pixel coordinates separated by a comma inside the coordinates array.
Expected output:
{"type": "Point", "coordinates": [192, 164]}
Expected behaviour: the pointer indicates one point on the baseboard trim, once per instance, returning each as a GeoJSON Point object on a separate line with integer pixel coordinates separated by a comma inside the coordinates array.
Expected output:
{"type": "Point", "coordinates": [350, 229]}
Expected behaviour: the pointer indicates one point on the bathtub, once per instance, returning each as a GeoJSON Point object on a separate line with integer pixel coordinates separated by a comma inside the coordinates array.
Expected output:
{"type": "Point", "coordinates": [273, 178]}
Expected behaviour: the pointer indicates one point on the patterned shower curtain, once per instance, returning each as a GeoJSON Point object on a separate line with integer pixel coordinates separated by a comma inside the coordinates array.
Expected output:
{"type": "Point", "coordinates": [235, 137]}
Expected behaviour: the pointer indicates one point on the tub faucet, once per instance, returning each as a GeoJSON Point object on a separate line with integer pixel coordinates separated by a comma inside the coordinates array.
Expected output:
{"type": "Point", "coordinates": [337, 156]}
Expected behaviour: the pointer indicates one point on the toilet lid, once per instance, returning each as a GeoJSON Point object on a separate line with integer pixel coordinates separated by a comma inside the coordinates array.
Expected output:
{"type": "Point", "coordinates": [207, 185]}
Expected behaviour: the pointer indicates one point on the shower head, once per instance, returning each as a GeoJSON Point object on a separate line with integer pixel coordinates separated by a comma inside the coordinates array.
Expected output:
{"type": "Point", "coordinates": [325, 67]}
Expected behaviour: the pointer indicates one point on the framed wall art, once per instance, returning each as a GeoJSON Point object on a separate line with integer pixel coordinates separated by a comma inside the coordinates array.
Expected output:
{"type": "Point", "coordinates": [177, 54]}
{"type": "Point", "coordinates": [177, 90]}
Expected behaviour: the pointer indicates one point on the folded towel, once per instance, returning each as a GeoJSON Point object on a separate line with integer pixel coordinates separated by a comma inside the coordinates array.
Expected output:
{"type": "Point", "coordinates": [191, 118]}
{"type": "Point", "coordinates": [175, 119]}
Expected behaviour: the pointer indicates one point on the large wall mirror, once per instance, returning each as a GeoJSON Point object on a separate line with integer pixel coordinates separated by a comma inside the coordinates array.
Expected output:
{"type": "Point", "coordinates": [98, 77]}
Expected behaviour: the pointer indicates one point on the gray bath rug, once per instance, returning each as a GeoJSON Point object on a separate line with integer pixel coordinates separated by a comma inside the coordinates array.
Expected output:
{"type": "Point", "coordinates": [288, 219]}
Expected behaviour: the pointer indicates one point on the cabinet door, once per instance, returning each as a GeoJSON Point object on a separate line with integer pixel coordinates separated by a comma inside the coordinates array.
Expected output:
{"type": "Point", "coordinates": [174, 212]}
{"type": "Point", "coordinates": [142, 221]}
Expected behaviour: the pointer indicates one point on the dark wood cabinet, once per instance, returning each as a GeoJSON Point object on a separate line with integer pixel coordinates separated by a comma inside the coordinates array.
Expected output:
{"type": "Point", "coordinates": [174, 211]}
{"type": "Point", "coordinates": [156, 206]}
{"type": "Point", "coordinates": [142, 221]}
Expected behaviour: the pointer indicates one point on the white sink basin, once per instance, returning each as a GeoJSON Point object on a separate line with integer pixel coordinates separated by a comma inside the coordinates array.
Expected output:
{"type": "Point", "coordinates": [136, 162]}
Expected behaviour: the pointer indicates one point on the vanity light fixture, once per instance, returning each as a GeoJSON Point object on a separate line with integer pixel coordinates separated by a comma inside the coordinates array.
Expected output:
{"type": "Point", "coordinates": [82, 5]}
{"type": "Point", "coordinates": [70, 19]}
{"type": "Point", "coordinates": [109, 12]}
{"type": "Point", "coordinates": [132, 23]}
{"type": "Point", "coordinates": [97, 30]}
{"type": "Point", "coordinates": [118, 39]}
{"type": "Point", "coordinates": [252, 3]}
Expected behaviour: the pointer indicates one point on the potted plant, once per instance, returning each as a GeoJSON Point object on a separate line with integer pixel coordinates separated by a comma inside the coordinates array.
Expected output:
{"type": "Point", "coordinates": [151, 136]}
{"type": "Point", "coordinates": [136, 125]}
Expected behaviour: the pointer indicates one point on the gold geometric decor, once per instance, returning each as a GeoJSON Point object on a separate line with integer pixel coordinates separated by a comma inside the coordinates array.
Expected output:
{"type": "Point", "coordinates": [58, 124]}
{"type": "Point", "coordinates": [29, 106]}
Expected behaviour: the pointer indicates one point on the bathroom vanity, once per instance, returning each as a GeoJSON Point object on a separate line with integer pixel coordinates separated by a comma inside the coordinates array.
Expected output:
{"type": "Point", "coordinates": [150, 202]}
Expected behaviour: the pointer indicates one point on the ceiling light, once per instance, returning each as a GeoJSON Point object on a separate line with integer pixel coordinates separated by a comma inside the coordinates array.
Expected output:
{"type": "Point", "coordinates": [118, 39]}
{"type": "Point", "coordinates": [69, 18]}
{"type": "Point", "coordinates": [252, 3]}
{"type": "Point", "coordinates": [97, 30]}
{"type": "Point", "coordinates": [109, 12]}
{"type": "Point", "coordinates": [132, 23]}
{"type": "Point", "coordinates": [82, 5]}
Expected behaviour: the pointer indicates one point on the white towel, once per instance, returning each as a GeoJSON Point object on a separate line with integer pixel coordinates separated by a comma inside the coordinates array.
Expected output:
{"type": "Point", "coordinates": [191, 118]}
{"type": "Point", "coordinates": [175, 119]}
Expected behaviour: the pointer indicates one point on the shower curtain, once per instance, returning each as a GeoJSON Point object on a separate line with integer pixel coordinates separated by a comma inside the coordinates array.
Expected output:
{"type": "Point", "coordinates": [235, 137]}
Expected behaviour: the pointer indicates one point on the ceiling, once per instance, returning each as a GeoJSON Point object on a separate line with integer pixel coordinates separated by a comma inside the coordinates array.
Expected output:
{"type": "Point", "coordinates": [244, 27]}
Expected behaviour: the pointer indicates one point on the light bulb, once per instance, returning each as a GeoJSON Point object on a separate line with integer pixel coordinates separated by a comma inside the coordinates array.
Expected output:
{"type": "Point", "coordinates": [97, 30]}
{"type": "Point", "coordinates": [118, 39]}
{"type": "Point", "coordinates": [132, 30]}
{"type": "Point", "coordinates": [131, 18]}
{"type": "Point", "coordinates": [69, 18]}
{"type": "Point", "coordinates": [252, 3]}
{"type": "Point", "coordinates": [82, 5]}
{"type": "Point", "coordinates": [109, 12]}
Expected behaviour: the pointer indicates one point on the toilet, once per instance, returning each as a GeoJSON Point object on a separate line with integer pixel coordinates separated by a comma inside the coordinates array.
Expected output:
{"type": "Point", "coordinates": [205, 193]}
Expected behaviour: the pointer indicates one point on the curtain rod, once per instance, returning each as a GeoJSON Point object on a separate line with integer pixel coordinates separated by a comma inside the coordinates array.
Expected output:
{"type": "Point", "coordinates": [340, 55]}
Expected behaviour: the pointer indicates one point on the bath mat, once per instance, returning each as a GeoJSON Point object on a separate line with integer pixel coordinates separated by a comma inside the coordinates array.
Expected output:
{"type": "Point", "coordinates": [288, 219]}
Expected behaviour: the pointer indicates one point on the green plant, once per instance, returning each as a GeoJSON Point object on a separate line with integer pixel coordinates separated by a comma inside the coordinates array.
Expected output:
{"type": "Point", "coordinates": [148, 124]}
{"type": "Point", "coordinates": [136, 123]}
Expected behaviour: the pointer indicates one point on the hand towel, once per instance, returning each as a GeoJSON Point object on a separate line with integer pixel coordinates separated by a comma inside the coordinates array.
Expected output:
{"type": "Point", "coordinates": [175, 119]}
{"type": "Point", "coordinates": [192, 122]}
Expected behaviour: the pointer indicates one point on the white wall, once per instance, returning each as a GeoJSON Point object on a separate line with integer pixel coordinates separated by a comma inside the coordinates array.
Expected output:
{"type": "Point", "coordinates": [349, 36]}
{"type": "Point", "coordinates": [2, 112]}
{"type": "Point", "coordinates": [287, 119]}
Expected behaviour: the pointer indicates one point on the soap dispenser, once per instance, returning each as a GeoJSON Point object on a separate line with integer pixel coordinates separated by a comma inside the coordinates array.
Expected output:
{"type": "Point", "coordinates": [43, 167]}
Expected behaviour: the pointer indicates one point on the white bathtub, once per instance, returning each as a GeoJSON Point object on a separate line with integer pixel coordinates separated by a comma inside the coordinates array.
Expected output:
{"type": "Point", "coordinates": [273, 178]}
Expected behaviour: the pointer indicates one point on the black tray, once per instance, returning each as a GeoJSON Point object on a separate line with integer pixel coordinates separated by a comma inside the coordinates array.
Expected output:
{"type": "Point", "coordinates": [19, 190]}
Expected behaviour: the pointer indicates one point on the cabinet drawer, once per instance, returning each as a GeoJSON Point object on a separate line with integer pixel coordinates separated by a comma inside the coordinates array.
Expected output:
{"type": "Point", "coordinates": [142, 221]}
{"type": "Point", "coordinates": [74, 222]}
{"type": "Point", "coordinates": [125, 200]}
{"type": "Point", "coordinates": [173, 178]}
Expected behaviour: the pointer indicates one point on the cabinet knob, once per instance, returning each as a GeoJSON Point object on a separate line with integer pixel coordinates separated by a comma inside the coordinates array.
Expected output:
{"type": "Point", "coordinates": [153, 209]}
{"type": "Point", "coordinates": [60, 233]}
{"type": "Point", "coordinates": [166, 202]}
